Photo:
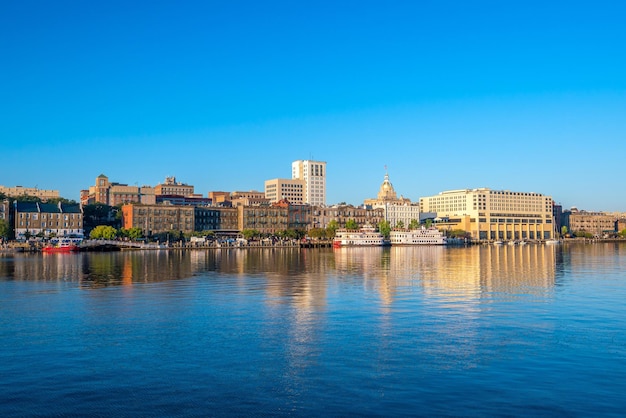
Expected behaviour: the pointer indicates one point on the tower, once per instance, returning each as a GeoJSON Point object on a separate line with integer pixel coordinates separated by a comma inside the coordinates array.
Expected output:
{"type": "Point", "coordinates": [313, 173]}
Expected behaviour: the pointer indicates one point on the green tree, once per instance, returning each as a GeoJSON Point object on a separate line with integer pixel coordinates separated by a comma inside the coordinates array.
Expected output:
{"type": "Point", "coordinates": [384, 228]}
{"type": "Point", "coordinates": [458, 233]}
{"type": "Point", "coordinates": [318, 233]}
{"type": "Point", "coordinates": [134, 233]}
{"type": "Point", "coordinates": [4, 228]}
{"type": "Point", "coordinates": [351, 224]}
{"type": "Point", "coordinates": [429, 223]}
{"type": "Point", "coordinates": [622, 233]}
{"type": "Point", "coordinates": [414, 224]}
{"type": "Point", "coordinates": [331, 229]}
{"type": "Point", "coordinates": [103, 232]}
{"type": "Point", "coordinates": [400, 224]}
{"type": "Point", "coordinates": [250, 233]}
{"type": "Point", "coordinates": [563, 230]}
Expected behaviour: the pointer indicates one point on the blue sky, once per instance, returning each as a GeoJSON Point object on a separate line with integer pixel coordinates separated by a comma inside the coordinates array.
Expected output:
{"type": "Point", "coordinates": [523, 96]}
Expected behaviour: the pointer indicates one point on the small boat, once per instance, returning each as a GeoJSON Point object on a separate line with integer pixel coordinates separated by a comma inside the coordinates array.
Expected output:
{"type": "Point", "coordinates": [552, 241]}
{"type": "Point", "coordinates": [498, 243]}
{"type": "Point", "coordinates": [64, 245]}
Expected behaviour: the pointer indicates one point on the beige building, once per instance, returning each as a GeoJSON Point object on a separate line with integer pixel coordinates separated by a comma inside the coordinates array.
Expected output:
{"type": "Point", "coordinates": [29, 191]}
{"type": "Point", "coordinates": [47, 219]}
{"type": "Point", "coordinates": [290, 189]}
{"type": "Point", "coordinates": [114, 194]}
{"type": "Point", "coordinates": [155, 219]}
{"type": "Point", "coordinates": [313, 173]}
{"type": "Point", "coordinates": [265, 219]}
{"type": "Point", "coordinates": [172, 187]}
{"type": "Point", "coordinates": [596, 223]}
{"type": "Point", "coordinates": [321, 216]}
{"type": "Point", "coordinates": [250, 198]}
{"type": "Point", "coordinates": [493, 214]}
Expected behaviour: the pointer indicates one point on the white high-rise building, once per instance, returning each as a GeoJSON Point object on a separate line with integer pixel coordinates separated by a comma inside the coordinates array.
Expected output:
{"type": "Point", "coordinates": [313, 173]}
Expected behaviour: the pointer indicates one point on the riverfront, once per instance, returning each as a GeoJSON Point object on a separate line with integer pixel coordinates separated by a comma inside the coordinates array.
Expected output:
{"type": "Point", "coordinates": [472, 331]}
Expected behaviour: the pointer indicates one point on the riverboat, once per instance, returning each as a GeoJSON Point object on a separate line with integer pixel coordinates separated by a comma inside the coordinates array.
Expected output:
{"type": "Point", "coordinates": [367, 236]}
{"type": "Point", "coordinates": [422, 236]}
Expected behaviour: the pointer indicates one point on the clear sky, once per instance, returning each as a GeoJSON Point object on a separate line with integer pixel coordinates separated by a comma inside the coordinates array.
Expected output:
{"type": "Point", "coordinates": [517, 95]}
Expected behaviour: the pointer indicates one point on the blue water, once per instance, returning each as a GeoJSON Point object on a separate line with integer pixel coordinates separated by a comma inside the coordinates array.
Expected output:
{"type": "Point", "coordinates": [478, 331]}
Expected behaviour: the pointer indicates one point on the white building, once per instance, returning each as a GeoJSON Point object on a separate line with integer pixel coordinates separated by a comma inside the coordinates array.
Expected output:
{"type": "Point", "coordinates": [313, 173]}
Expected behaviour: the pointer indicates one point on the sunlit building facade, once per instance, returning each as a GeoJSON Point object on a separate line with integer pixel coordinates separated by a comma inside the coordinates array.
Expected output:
{"type": "Point", "coordinates": [313, 173]}
{"type": "Point", "coordinates": [493, 214]}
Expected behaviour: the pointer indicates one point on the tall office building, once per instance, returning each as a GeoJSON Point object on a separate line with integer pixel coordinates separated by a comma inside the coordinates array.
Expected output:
{"type": "Point", "coordinates": [313, 173]}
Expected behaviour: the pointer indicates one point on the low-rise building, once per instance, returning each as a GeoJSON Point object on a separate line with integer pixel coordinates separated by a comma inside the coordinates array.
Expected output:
{"type": "Point", "coordinates": [47, 219]}
{"type": "Point", "coordinates": [595, 223]}
{"type": "Point", "coordinates": [172, 187]}
{"type": "Point", "coordinates": [321, 216]}
{"type": "Point", "coordinates": [221, 220]}
{"type": "Point", "coordinates": [113, 194]}
{"type": "Point", "coordinates": [155, 219]}
{"type": "Point", "coordinates": [18, 191]}
{"type": "Point", "coordinates": [265, 219]}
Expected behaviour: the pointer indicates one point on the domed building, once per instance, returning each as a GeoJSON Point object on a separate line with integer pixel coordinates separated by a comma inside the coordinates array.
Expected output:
{"type": "Point", "coordinates": [387, 194]}
{"type": "Point", "coordinates": [397, 209]}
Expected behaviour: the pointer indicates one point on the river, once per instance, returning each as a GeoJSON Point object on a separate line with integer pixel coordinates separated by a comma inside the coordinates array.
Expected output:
{"type": "Point", "coordinates": [529, 330]}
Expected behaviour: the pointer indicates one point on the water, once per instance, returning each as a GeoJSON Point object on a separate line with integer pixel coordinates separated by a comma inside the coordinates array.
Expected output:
{"type": "Point", "coordinates": [479, 331]}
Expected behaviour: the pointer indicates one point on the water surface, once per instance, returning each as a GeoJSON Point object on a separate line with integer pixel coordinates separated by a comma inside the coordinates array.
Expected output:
{"type": "Point", "coordinates": [507, 331]}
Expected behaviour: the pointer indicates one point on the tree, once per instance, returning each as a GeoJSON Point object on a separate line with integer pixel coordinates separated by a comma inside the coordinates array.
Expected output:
{"type": "Point", "coordinates": [250, 233]}
{"type": "Point", "coordinates": [4, 228]}
{"type": "Point", "coordinates": [457, 233]}
{"type": "Point", "coordinates": [400, 224]}
{"type": "Point", "coordinates": [331, 229]}
{"type": "Point", "coordinates": [384, 228]}
{"type": "Point", "coordinates": [103, 232]}
{"type": "Point", "coordinates": [351, 224]}
{"type": "Point", "coordinates": [429, 223]}
{"type": "Point", "coordinates": [622, 233]}
{"type": "Point", "coordinates": [317, 233]}
{"type": "Point", "coordinates": [133, 233]}
{"type": "Point", "coordinates": [563, 230]}
{"type": "Point", "coordinates": [414, 224]}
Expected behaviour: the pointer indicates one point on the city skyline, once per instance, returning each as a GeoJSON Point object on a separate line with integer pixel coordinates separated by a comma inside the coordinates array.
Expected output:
{"type": "Point", "coordinates": [225, 96]}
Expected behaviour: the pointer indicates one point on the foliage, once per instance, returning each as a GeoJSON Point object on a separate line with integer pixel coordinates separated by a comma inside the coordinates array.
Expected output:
{"type": "Point", "coordinates": [429, 223]}
{"type": "Point", "coordinates": [4, 228]}
{"type": "Point", "coordinates": [132, 233]}
{"type": "Point", "coordinates": [384, 228]}
{"type": "Point", "coordinates": [400, 224]}
{"type": "Point", "coordinates": [103, 232]}
{"type": "Point", "coordinates": [582, 234]}
{"type": "Point", "coordinates": [351, 224]}
{"type": "Point", "coordinates": [414, 224]}
{"type": "Point", "coordinates": [292, 234]}
{"type": "Point", "coordinates": [622, 233]}
{"type": "Point", "coordinates": [250, 233]}
{"type": "Point", "coordinates": [331, 229]}
{"type": "Point", "coordinates": [317, 233]}
{"type": "Point", "coordinates": [564, 230]}
{"type": "Point", "coordinates": [458, 233]}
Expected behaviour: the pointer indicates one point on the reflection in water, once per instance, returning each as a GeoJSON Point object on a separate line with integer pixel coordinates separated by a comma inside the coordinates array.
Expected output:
{"type": "Point", "coordinates": [351, 331]}
{"type": "Point", "coordinates": [300, 275]}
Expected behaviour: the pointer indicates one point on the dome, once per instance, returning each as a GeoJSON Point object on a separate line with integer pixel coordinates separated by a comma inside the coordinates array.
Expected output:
{"type": "Point", "coordinates": [386, 191]}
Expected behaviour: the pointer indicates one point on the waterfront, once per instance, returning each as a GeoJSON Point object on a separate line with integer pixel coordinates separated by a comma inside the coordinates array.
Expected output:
{"type": "Point", "coordinates": [484, 330]}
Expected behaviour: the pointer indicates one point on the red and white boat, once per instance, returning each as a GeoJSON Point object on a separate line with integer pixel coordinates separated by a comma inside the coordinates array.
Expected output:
{"type": "Point", "coordinates": [62, 245]}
